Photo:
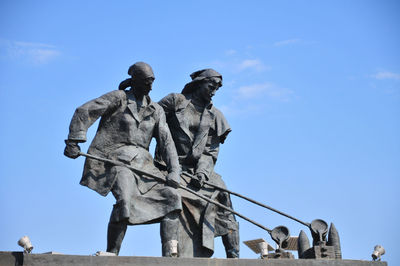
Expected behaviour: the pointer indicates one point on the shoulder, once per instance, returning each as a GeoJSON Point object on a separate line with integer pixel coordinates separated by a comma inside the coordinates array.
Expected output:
{"type": "Point", "coordinates": [218, 114]}
{"type": "Point", "coordinates": [156, 106]}
{"type": "Point", "coordinates": [107, 99]}
{"type": "Point", "coordinates": [158, 110]}
{"type": "Point", "coordinates": [173, 97]}
{"type": "Point", "coordinates": [114, 95]}
{"type": "Point", "coordinates": [173, 101]}
{"type": "Point", "coordinates": [222, 126]}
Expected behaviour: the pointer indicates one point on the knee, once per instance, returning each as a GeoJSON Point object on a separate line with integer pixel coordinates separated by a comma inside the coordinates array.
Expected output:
{"type": "Point", "coordinates": [122, 188]}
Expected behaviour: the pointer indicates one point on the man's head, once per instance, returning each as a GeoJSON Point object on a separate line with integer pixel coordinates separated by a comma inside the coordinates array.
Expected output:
{"type": "Point", "coordinates": [207, 88]}
{"type": "Point", "coordinates": [142, 77]}
{"type": "Point", "coordinates": [204, 83]}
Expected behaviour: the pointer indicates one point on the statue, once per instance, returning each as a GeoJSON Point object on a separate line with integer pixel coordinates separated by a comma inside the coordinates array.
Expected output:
{"type": "Point", "coordinates": [129, 120]}
{"type": "Point", "coordinates": [198, 128]}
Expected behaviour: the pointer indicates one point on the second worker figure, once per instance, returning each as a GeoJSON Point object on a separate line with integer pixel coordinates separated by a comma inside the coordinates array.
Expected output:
{"type": "Point", "coordinates": [198, 128]}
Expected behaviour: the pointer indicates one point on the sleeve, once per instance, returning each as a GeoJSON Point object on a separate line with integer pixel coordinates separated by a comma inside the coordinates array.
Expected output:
{"type": "Point", "coordinates": [217, 135]}
{"type": "Point", "coordinates": [165, 144]}
{"type": "Point", "coordinates": [168, 104]}
{"type": "Point", "coordinates": [89, 112]}
{"type": "Point", "coordinates": [222, 126]}
{"type": "Point", "coordinates": [209, 156]}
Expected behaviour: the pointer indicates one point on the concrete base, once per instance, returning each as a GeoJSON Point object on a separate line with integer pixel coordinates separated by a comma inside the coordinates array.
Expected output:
{"type": "Point", "coordinates": [20, 259]}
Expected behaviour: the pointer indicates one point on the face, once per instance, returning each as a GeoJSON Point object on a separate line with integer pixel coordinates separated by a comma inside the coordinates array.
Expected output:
{"type": "Point", "coordinates": [143, 85]}
{"type": "Point", "coordinates": [209, 87]}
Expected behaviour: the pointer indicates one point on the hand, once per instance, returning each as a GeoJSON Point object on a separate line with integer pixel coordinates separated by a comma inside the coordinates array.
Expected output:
{"type": "Point", "coordinates": [198, 180]}
{"type": "Point", "coordinates": [72, 149]}
{"type": "Point", "coordinates": [173, 179]}
{"type": "Point", "coordinates": [125, 84]}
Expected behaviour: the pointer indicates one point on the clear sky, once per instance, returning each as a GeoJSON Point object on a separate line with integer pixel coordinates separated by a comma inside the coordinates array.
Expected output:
{"type": "Point", "coordinates": [311, 90]}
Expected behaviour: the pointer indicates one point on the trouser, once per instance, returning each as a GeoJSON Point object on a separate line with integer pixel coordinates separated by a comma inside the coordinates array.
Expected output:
{"type": "Point", "coordinates": [231, 244]}
{"type": "Point", "coordinates": [230, 239]}
{"type": "Point", "coordinates": [115, 234]}
{"type": "Point", "coordinates": [120, 215]}
{"type": "Point", "coordinates": [168, 231]}
{"type": "Point", "coordinates": [119, 219]}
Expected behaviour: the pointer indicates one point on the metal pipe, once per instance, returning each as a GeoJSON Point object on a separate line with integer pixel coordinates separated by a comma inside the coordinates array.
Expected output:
{"type": "Point", "coordinates": [318, 227]}
{"type": "Point", "coordinates": [251, 200]}
{"type": "Point", "coordinates": [180, 186]}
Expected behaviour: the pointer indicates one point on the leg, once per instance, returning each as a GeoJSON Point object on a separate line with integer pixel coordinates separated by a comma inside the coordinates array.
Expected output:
{"type": "Point", "coordinates": [169, 234]}
{"type": "Point", "coordinates": [122, 191]}
{"type": "Point", "coordinates": [120, 213]}
{"type": "Point", "coordinates": [115, 235]}
{"type": "Point", "coordinates": [231, 244]}
{"type": "Point", "coordinates": [230, 238]}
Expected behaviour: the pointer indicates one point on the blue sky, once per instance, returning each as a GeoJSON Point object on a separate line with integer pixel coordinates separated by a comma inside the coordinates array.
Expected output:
{"type": "Point", "coordinates": [311, 90]}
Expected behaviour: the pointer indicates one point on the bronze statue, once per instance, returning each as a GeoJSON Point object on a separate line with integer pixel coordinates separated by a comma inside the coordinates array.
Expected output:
{"type": "Point", "coordinates": [198, 128]}
{"type": "Point", "coordinates": [129, 120]}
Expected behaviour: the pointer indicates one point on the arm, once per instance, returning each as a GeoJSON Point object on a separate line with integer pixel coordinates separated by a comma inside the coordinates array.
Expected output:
{"type": "Point", "coordinates": [86, 115]}
{"type": "Point", "coordinates": [208, 158]}
{"type": "Point", "coordinates": [167, 149]}
{"type": "Point", "coordinates": [216, 136]}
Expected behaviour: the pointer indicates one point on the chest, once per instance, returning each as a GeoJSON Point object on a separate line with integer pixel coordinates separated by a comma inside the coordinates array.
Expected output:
{"type": "Point", "coordinates": [189, 122]}
{"type": "Point", "coordinates": [131, 121]}
{"type": "Point", "coordinates": [192, 119]}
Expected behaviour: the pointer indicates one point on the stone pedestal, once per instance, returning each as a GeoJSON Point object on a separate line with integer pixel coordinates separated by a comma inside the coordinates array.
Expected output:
{"type": "Point", "coordinates": [280, 255]}
{"type": "Point", "coordinates": [20, 259]}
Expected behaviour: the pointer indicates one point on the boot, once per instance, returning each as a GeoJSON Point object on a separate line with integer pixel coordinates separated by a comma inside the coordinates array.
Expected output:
{"type": "Point", "coordinates": [170, 249]}
{"type": "Point", "coordinates": [115, 235]}
{"type": "Point", "coordinates": [169, 235]}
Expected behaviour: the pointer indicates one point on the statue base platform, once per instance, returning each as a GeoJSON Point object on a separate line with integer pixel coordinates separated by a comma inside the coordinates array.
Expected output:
{"type": "Point", "coordinates": [21, 259]}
